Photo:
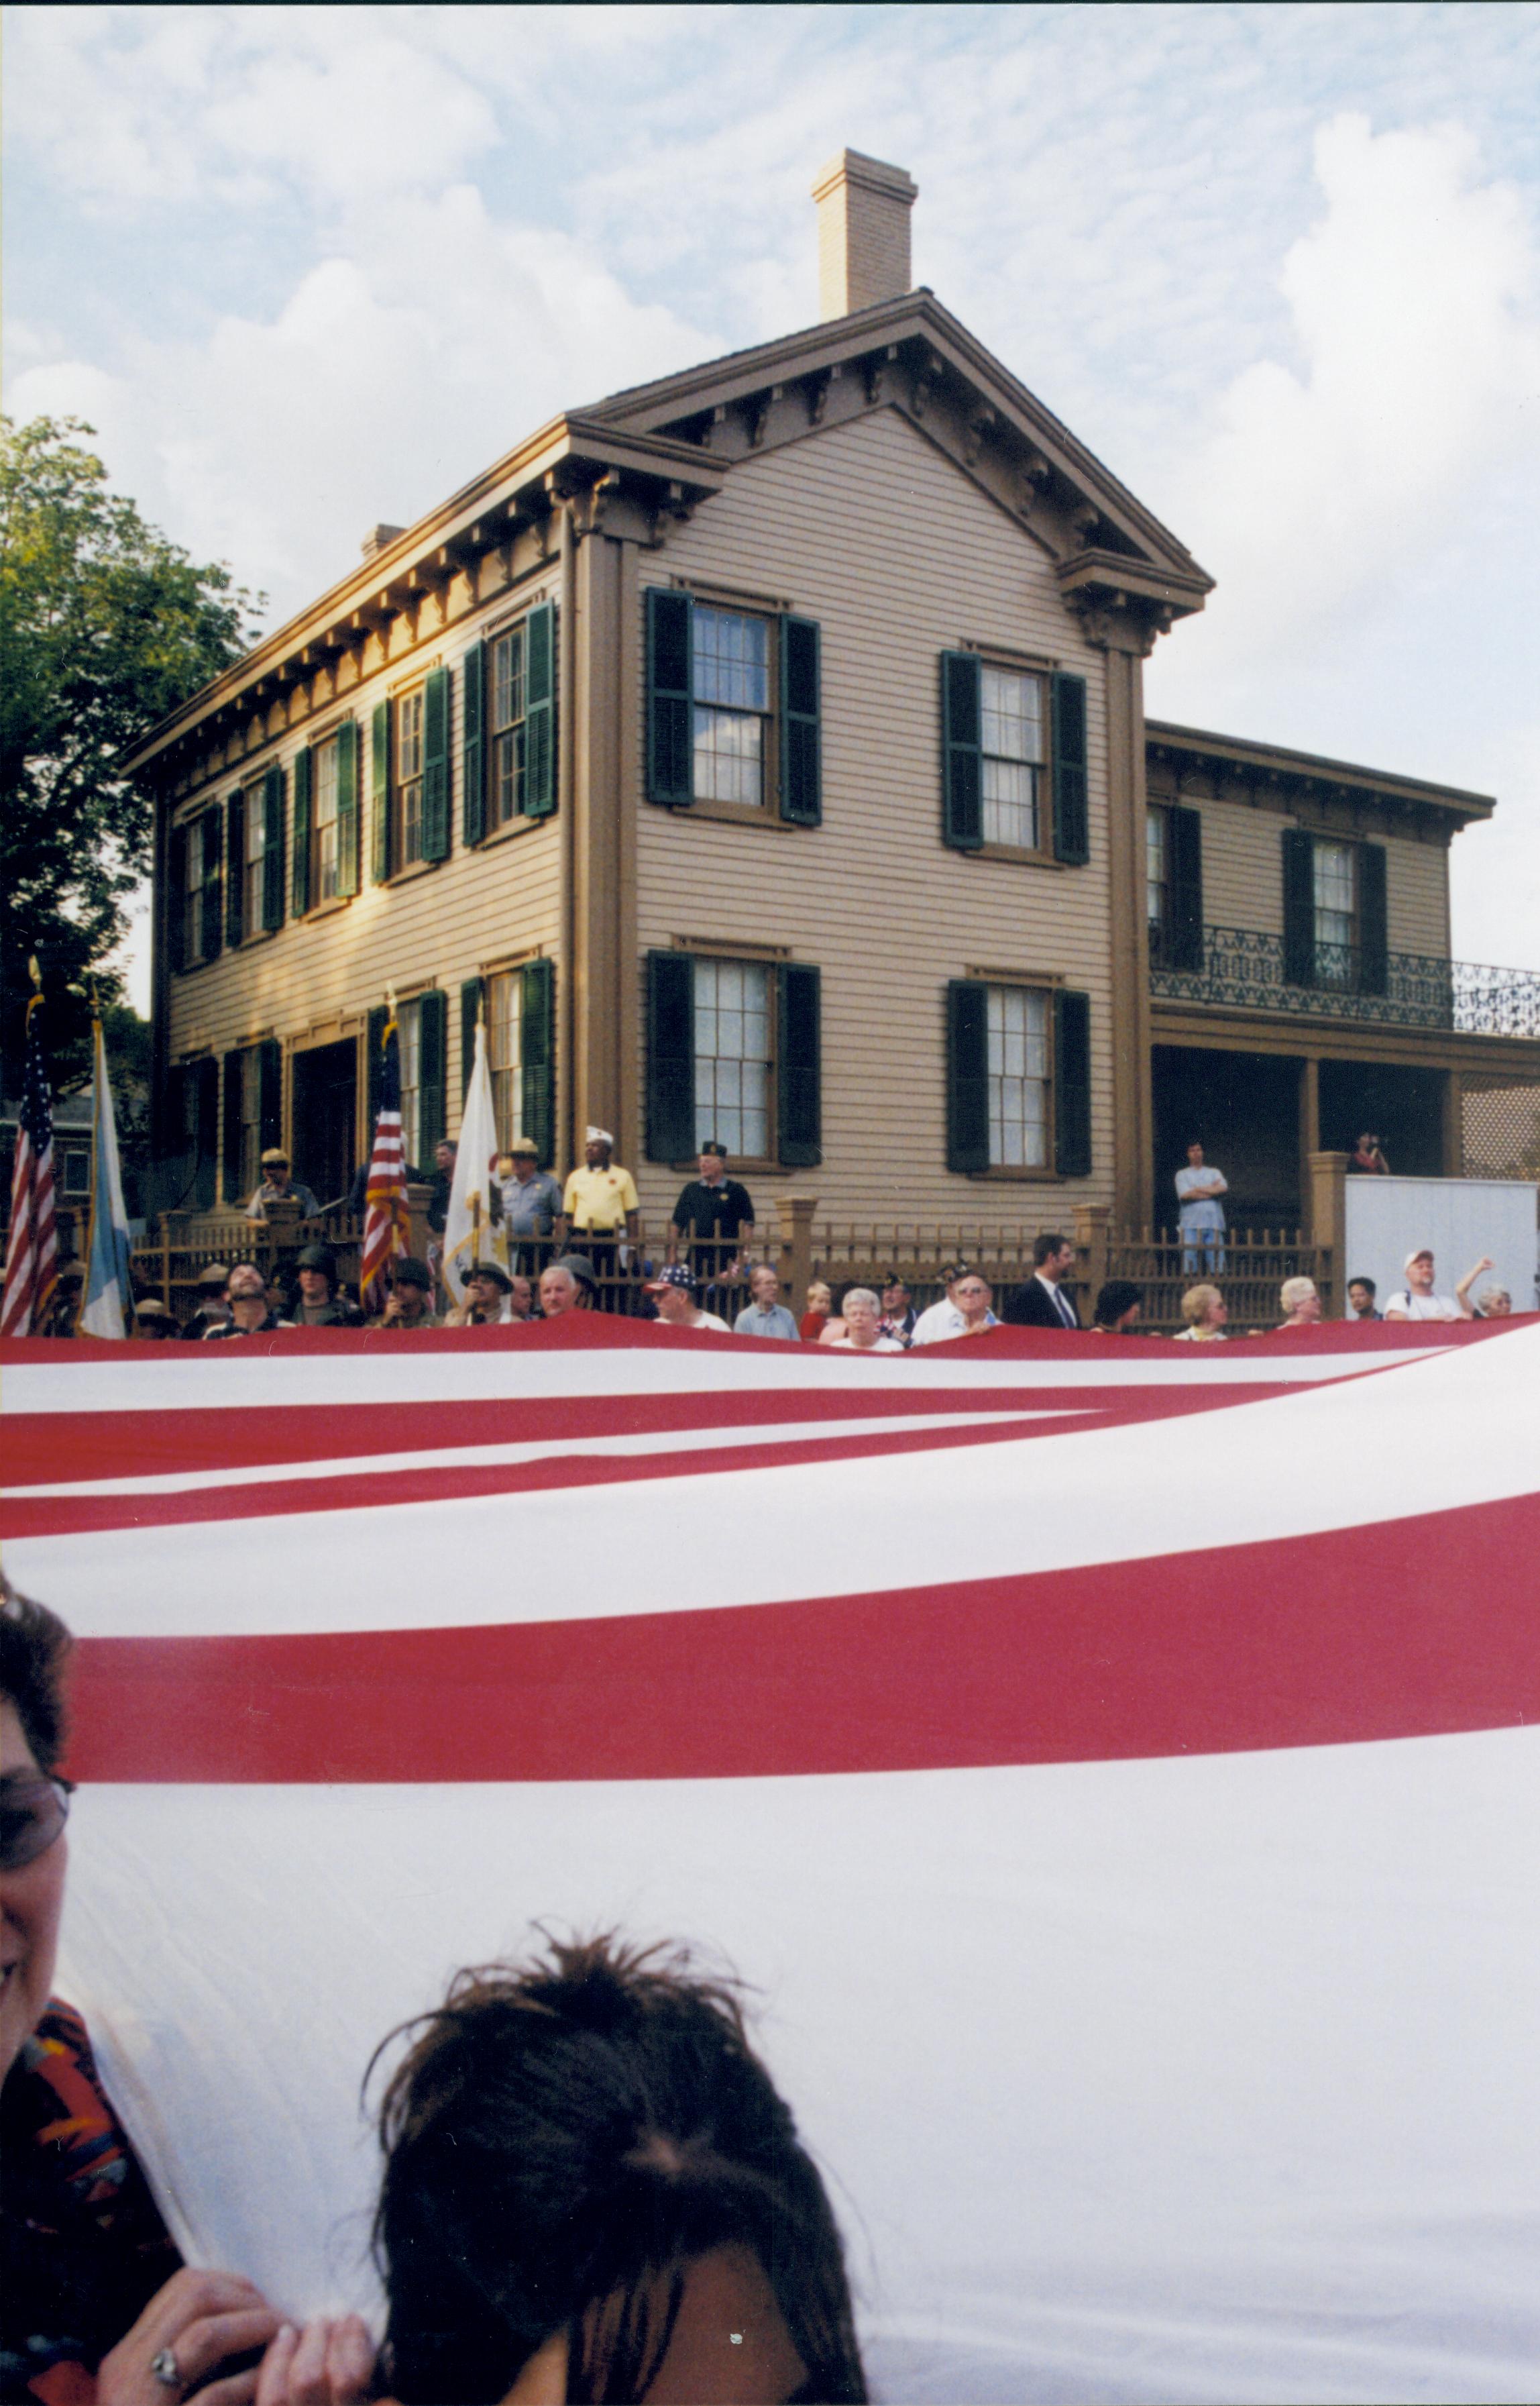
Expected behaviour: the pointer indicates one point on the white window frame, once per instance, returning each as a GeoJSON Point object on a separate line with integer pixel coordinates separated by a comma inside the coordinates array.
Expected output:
{"type": "Point", "coordinates": [1157, 871]}
{"type": "Point", "coordinates": [326, 857]}
{"type": "Point", "coordinates": [1334, 884]}
{"type": "Point", "coordinates": [505, 1053]}
{"type": "Point", "coordinates": [1014, 756]}
{"type": "Point", "coordinates": [735, 1089]}
{"type": "Point", "coordinates": [507, 684]}
{"type": "Point", "coordinates": [733, 708]}
{"type": "Point", "coordinates": [1020, 1036]}
{"type": "Point", "coordinates": [406, 754]}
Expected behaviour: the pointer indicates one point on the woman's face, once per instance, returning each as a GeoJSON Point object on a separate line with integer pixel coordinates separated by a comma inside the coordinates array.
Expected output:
{"type": "Point", "coordinates": [862, 1324]}
{"type": "Point", "coordinates": [1216, 1313]}
{"type": "Point", "coordinates": [30, 1904]}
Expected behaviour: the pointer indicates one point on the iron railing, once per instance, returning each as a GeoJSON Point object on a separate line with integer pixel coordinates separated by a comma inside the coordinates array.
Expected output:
{"type": "Point", "coordinates": [1243, 970]}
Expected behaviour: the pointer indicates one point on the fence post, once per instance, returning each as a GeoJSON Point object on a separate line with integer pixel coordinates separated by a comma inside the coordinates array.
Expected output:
{"type": "Point", "coordinates": [1327, 1230]}
{"type": "Point", "coordinates": [420, 1235]}
{"type": "Point", "coordinates": [1092, 1225]}
{"type": "Point", "coordinates": [795, 1267]}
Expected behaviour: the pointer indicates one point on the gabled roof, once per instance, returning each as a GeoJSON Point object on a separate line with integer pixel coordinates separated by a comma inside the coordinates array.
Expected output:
{"type": "Point", "coordinates": [669, 446]}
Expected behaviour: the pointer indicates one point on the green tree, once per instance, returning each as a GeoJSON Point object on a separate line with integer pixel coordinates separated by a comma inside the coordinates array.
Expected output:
{"type": "Point", "coordinates": [105, 627]}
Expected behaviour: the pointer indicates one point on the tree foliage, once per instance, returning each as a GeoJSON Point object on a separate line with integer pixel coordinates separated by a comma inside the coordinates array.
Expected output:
{"type": "Point", "coordinates": [105, 627]}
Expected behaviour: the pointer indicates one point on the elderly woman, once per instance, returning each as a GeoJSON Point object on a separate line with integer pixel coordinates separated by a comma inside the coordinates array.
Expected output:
{"type": "Point", "coordinates": [1205, 1312]}
{"type": "Point", "coordinates": [593, 2190]}
{"type": "Point", "coordinates": [94, 2304]}
{"type": "Point", "coordinates": [862, 1311]}
{"type": "Point", "coordinates": [1299, 1302]}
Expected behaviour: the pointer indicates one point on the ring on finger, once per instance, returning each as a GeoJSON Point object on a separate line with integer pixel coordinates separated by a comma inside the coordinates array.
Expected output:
{"type": "Point", "coordinates": [167, 2371]}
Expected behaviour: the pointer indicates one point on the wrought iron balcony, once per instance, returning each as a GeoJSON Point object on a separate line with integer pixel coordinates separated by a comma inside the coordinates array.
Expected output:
{"type": "Point", "coordinates": [1241, 969]}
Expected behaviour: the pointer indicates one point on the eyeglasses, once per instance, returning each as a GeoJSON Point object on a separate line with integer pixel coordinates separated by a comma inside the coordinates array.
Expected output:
{"type": "Point", "coordinates": [33, 1809]}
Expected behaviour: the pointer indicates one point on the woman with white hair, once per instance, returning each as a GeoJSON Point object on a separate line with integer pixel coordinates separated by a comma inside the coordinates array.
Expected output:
{"type": "Point", "coordinates": [1205, 1311]}
{"type": "Point", "coordinates": [1300, 1303]}
{"type": "Point", "coordinates": [862, 1310]}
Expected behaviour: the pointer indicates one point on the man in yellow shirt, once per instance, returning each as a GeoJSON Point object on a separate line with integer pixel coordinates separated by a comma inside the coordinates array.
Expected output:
{"type": "Point", "coordinates": [599, 1206]}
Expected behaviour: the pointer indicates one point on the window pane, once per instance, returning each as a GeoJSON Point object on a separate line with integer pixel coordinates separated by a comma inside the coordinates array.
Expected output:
{"type": "Point", "coordinates": [728, 757]}
{"type": "Point", "coordinates": [1010, 804]}
{"type": "Point", "coordinates": [505, 1053]}
{"type": "Point", "coordinates": [1012, 715]}
{"type": "Point", "coordinates": [732, 1080]}
{"type": "Point", "coordinates": [1156, 832]}
{"type": "Point", "coordinates": [732, 659]}
{"type": "Point", "coordinates": [409, 1027]}
{"type": "Point", "coordinates": [251, 1120]}
{"type": "Point", "coordinates": [324, 882]}
{"type": "Point", "coordinates": [507, 724]}
{"type": "Point", "coordinates": [1333, 899]}
{"type": "Point", "coordinates": [1018, 1078]}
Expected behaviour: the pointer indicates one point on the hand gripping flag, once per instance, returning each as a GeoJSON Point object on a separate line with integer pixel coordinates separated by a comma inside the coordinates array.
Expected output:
{"type": "Point", "coordinates": [109, 1308]}
{"type": "Point", "coordinates": [32, 1252]}
{"type": "Point", "coordinates": [386, 1221]}
{"type": "Point", "coordinates": [469, 1233]}
{"type": "Point", "coordinates": [1114, 1763]}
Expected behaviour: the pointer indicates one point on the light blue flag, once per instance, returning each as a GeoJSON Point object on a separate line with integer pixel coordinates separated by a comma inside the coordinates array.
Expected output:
{"type": "Point", "coordinates": [109, 1307]}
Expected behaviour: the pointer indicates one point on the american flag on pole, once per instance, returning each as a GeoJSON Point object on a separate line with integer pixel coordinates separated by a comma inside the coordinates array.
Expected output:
{"type": "Point", "coordinates": [385, 1222]}
{"type": "Point", "coordinates": [1115, 1763]}
{"type": "Point", "coordinates": [32, 1252]}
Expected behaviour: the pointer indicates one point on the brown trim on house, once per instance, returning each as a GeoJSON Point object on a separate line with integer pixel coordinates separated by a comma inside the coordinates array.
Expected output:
{"type": "Point", "coordinates": [1128, 934]}
{"type": "Point", "coordinates": [1279, 773]}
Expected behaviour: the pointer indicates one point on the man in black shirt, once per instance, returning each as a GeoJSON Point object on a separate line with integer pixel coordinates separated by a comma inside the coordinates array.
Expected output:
{"type": "Point", "coordinates": [716, 1214]}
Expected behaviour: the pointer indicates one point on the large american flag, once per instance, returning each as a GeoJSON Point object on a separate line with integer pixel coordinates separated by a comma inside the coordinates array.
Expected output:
{"type": "Point", "coordinates": [1116, 1764]}
{"type": "Point", "coordinates": [385, 1222]}
{"type": "Point", "coordinates": [32, 1251]}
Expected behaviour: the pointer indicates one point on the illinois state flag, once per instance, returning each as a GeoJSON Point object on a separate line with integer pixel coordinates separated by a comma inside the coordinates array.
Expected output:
{"type": "Point", "coordinates": [1114, 1765]}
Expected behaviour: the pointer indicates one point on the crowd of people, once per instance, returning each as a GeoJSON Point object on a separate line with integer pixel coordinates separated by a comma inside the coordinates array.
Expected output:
{"type": "Point", "coordinates": [592, 2188]}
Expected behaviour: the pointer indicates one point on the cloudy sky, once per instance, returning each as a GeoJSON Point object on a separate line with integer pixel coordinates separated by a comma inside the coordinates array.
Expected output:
{"type": "Point", "coordinates": [305, 268]}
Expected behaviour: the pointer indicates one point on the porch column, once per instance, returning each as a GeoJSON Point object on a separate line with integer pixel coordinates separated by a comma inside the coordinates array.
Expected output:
{"type": "Point", "coordinates": [1328, 1177]}
{"type": "Point", "coordinates": [601, 659]}
{"type": "Point", "coordinates": [1133, 1116]}
{"type": "Point", "coordinates": [1309, 1137]}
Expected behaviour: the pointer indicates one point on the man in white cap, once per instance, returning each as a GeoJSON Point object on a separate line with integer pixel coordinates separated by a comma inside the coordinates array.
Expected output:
{"type": "Point", "coordinates": [600, 1205]}
{"type": "Point", "coordinates": [1416, 1300]}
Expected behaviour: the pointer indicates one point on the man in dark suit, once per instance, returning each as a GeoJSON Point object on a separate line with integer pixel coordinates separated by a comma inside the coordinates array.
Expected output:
{"type": "Point", "coordinates": [1044, 1302]}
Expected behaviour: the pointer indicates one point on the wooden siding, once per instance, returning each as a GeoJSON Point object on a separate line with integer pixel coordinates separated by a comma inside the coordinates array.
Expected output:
{"type": "Point", "coordinates": [316, 980]}
{"type": "Point", "coordinates": [869, 529]}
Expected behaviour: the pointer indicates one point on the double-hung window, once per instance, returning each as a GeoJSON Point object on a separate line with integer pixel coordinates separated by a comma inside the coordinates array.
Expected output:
{"type": "Point", "coordinates": [1157, 878]}
{"type": "Point", "coordinates": [406, 834]}
{"type": "Point", "coordinates": [1014, 758]}
{"type": "Point", "coordinates": [1336, 913]}
{"type": "Point", "coordinates": [732, 688]}
{"type": "Point", "coordinates": [250, 1154]}
{"type": "Point", "coordinates": [324, 884]}
{"type": "Point", "coordinates": [255, 872]}
{"type": "Point", "coordinates": [508, 665]}
{"type": "Point", "coordinates": [1019, 1090]}
{"type": "Point", "coordinates": [198, 834]}
{"type": "Point", "coordinates": [733, 1057]}
{"type": "Point", "coordinates": [505, 1053]}
{"type": "Point", "coordinates": [409, 1057]}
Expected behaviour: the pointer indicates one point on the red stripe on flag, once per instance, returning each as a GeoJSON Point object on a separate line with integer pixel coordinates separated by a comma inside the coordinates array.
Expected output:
{"type": "Point", "coordinates": [1398, 1630]}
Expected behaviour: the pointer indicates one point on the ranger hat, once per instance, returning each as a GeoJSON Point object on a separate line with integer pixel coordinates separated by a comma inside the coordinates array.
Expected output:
{"type": "Point", "coordinates": [524, 1144]}
{"type": "Point", "coordinates": [275, 1157]}
{"type": "Point", "coordinates": [151, 1308]}
{"type": "Point", "coordinates": [214, 1274]}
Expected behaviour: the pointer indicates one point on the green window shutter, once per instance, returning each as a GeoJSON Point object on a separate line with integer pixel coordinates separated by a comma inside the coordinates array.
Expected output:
{"type": "Point", "coordinates": [1374, 958]}
{"type": "Point", "coordinates": [962, 751]}
{"type": "Point", "coordinates": [272, 817]}
{"type": "Point", "coordinates": [1185, 868]}
{"type": "Point", "coordinates": [966, 1077]}
{"type": "Point", "coordinates": [380, 792]}
{"type": "Point", "coordinates": [375, 1037]}
{"type": "Point", "coordinates": [206, 1182]}
{"type": "Point", "coordinates": [472, 1001]}
{"type": "Point", "coordinates": [671, 1056]}
{"type": "Point", "coordinates": [1299, 907]}
{"type": "Point", "coordinates": [300, 885]}
{"type": "Point", "coordinates": [1072, 1084]}
{"type": "Point", "coordinates": [433, 1064]}
{"type": "Point", "coordinates": [235, 879]}
{"type": "Point", "coordinates": [472, 752]}
{"type": "Point", "coordinates": [537, 1003]}
{"type": "Point", "coordinates": [671, 728]}
{"type": "Point", "coordinates": [435, 765]}
{"type": "Point", "coordinates": [540, 712]}
{"type": "Point", "coordinates": [176, 900]}
{"type": "Point", "coordinates": [232, 1163]}
{"type": "Point", "coordinates": [800, 1069]}
{"type": "Point", "coordinates": [211, 898]}
{"type": "Point", "coordinates": [1071, 801]}
{"type": "Point", "coordinates": [802, 739]}
{"type": "Point", "coordinates": [349, 864]}
{"type": "Point", "coordinates": [270, 1072]}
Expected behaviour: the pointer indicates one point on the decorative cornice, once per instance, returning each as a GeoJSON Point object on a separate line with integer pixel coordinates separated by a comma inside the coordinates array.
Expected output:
{"type": "Point", "coordinates": [1283, 771]}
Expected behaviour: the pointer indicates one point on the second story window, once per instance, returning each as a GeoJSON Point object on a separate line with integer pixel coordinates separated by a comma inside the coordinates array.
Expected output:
{"type": "Point", "coordinates": [406, 834]}
{"type": "Point", "coordinates": [194, 947]}
{"type": "Point", "coordinates": [730, 685]}
{"type": "Point", "coordinates": [1157, 876]}
{"type": "Point", "coordinates": [508, 735]}
{"type": "Point", "coordinates": [505, 1053]}
{"type": "Point", "coordinates": [1335, 913]}
{"type": "Point", "coordinates": [1012, 732]}
{"type": "Point", "coordinates": [256, 859]}
{"type": "Point", "coordinates": [326, 861]}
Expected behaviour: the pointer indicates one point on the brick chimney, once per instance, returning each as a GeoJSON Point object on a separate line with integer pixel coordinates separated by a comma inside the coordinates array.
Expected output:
{"type": "Point", "coordinates": [863, 233]}
{"type": "Point", "coordinates": [380, 538]}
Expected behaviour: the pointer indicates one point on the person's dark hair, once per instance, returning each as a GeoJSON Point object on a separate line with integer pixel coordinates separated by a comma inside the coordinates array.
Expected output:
{"type": "Point", "coordinates": [1045, 1247]}
{"type": "Point", "coordinates": [580, 2131]}
{"type": "Point", "coordinates": [35, 1646]}
{"type": "Point", "coordinates": [1116, 1297]}
{"type": "Point", "coordinates": [1367, 1284]}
